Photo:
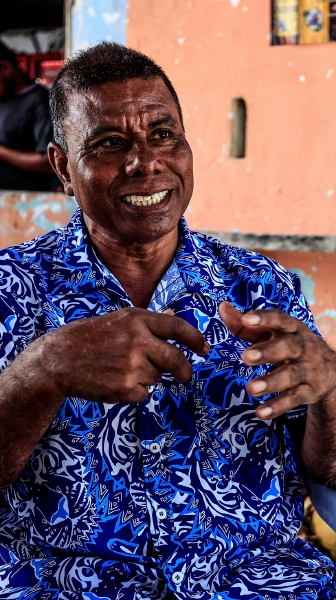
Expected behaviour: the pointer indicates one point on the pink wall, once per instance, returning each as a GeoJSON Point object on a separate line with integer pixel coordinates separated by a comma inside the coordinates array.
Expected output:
{"type": "Point", "coordinates": [215, 50]}
{"type": "Point", "coordinates": [316, 271]}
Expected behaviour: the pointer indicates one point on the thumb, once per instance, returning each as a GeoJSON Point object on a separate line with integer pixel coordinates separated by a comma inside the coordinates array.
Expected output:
{"type": "Point", "coordinates": [233, 319]}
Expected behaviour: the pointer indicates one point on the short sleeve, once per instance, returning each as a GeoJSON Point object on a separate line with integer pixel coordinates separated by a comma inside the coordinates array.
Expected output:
{"type": "Point", "coordinates": [7, 345]}
{"type": "Point", "coordinates": [20, 310]}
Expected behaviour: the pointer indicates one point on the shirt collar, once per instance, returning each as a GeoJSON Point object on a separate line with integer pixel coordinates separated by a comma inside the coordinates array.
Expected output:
{"type": "Point", "coordinates": [77, 267]}
{"type": "Point", "coordinates": [201, 263]}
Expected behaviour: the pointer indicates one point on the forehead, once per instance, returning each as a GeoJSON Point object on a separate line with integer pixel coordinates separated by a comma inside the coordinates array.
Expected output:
{"type": "Point", "coordinates": [119, 102]}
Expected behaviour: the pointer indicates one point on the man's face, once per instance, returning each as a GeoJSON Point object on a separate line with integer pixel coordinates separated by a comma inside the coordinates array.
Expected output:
{"type": "Point", "coordinates": [129, 164]}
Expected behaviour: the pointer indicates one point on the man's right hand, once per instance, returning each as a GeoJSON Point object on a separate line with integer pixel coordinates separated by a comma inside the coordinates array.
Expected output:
{"type": "Point", "coordinates": [110, 358]}
{"type": "Point", "coordinates": [115, 357]}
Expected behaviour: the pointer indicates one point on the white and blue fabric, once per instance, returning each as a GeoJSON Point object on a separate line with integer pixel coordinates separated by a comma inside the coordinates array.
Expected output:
{"type": "Point", "coordinates": [188, 492]}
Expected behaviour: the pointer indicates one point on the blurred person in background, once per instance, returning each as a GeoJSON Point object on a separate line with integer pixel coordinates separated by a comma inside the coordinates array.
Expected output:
{"type": "Point", "coordinates": [25, 128]}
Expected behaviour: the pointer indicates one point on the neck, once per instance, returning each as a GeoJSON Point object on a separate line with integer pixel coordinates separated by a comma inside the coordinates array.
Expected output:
{"type": "Point", "coordinates": [139, 267]}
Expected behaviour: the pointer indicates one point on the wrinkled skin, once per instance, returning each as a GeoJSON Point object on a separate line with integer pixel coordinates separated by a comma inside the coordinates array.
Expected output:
{"type": "Point", "coordinates": [307, 366]}
{"type": "Point", "coordinates": [306, 374]}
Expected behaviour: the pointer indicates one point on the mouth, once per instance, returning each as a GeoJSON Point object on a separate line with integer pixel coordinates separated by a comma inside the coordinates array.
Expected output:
{"type": "Point", "coordinates": [145, 200]}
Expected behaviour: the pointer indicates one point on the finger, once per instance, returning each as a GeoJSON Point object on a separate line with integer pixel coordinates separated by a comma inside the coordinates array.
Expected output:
{"type": "Point", "coordinates": [168, 327]}
{"type": "Point", "coordinates": [167, 358]}
{"type": "Point", "coordinates": [271, 320]}
{"type": "Point", "coordinates": [277, 349]}
{"type": "Point", "coordinates": [151, 375]}
{"type": "Point", "coordinates": [284, 402]}
{"type": "Point", "coordinates": [137, 395]}
{"type": "Point", "coordinates": [283, 378]}
{"type": "Point", "coordinates": [233, 319]}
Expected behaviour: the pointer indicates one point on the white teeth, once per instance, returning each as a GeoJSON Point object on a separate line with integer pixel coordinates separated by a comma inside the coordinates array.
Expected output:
{"type": "Point", "coordinates": [146, 200]}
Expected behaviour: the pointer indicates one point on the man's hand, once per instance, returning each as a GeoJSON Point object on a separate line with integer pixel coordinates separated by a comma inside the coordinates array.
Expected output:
{"type": "Point", "coordinates": [116, 357]}
{"type": "Point", "coordinates": [306, 371]}
{"type": "Point", "coordinates": [37, 162]}
{"type": "Point", "coordinates": [111, 358]}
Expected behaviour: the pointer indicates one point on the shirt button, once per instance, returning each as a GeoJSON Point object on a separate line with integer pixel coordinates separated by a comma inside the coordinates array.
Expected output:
{"type": "Point", "coordinates": [154, 447]}
{"type": "Point", "coordinates": [177, 577]}
{"type": "Point", "coordinates": [161, 514]}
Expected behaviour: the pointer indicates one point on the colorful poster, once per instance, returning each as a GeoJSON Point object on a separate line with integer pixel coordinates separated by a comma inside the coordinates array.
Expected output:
{"type": "Point", "coordinates": [314, 21]}
{"type": "Point", "coordinates": [286, 13]}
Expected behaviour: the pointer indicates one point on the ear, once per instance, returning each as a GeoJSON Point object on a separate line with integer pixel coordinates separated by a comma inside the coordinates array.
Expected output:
{"type": "Point", "coordinates": [59, 162]}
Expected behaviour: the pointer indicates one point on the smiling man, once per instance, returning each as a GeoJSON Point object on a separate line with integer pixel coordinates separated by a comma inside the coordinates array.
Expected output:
{"type": "Point", "coordinates": [133, 467]}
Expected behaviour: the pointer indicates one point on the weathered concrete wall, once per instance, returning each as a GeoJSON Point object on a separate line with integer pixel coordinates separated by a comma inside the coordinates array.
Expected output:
{"type": "Point", "coordinates": [317, 273]}
{"type": "Point", "coordinates": [216, 50]}
{"type": "Point", "coordinates": [24, 215]}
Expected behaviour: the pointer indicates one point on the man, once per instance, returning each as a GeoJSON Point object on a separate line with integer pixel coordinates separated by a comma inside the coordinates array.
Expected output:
{"type": "Point", "coordinates": [25, 128]}
{"type": "Point", "coordinates": [133, 467]}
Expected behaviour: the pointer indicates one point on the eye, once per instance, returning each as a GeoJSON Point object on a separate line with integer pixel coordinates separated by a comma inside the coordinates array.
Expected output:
{"type": "Point", "coordinates": [111, 142]}
{"type": "Point", "coordinates": [161, 134]}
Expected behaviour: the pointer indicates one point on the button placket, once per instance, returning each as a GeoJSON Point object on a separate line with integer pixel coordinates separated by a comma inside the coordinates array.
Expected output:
{"type": "Point", "coordinates": [156, 475]}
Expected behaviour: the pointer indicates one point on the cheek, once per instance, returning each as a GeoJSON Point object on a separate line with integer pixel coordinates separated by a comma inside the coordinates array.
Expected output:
{"type": "Point", "coordinates": [185, 167]}
{"type": "Point", "coordinates": [86, 175]}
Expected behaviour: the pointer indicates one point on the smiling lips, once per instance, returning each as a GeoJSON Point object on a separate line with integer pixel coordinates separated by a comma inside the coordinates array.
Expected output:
{"type": "Point", "coordinates": [145, 200]}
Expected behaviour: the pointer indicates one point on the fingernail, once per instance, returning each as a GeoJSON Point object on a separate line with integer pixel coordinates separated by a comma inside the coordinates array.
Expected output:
{"type": "Point", "coordinates": [253, 355]}
{"type": "Point", "coordinates": [265, 411]}
{"type": "Point", "coordinates": [258, 386]}
{"type": "Point", "coordinates": [251, 319]}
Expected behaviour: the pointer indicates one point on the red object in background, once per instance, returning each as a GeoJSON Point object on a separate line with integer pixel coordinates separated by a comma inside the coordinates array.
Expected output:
{"type": "Point", "coordinates": [41, 68]}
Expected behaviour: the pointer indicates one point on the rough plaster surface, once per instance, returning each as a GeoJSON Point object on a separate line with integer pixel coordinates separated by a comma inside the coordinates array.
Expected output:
{"type": "Point", "coordinates": [287, 182]}
{"type": "Point", "coordinates": [24, 215]}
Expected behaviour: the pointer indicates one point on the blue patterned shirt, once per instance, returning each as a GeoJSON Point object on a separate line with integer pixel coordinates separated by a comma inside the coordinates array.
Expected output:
{"type": "Point", "coordinates": [187, 492]}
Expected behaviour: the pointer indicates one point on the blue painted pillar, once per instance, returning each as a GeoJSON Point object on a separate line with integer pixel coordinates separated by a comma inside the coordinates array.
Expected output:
{"type": "Point", "coordinates": [93, 21]}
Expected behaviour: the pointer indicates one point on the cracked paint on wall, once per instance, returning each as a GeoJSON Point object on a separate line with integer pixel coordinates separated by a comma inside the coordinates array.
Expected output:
{"type": "Point", "coordinates": [97, 20]}
{"type": "Point", "coordinates": [24, 215]}
{"type": "Point", "coordinates": [315, 270]}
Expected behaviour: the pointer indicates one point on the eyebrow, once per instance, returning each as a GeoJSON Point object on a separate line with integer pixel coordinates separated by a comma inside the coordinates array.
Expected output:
{"type": "Point", "coordinates": [164, 120]}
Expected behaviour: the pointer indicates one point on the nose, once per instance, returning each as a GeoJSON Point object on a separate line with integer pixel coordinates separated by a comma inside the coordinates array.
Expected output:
{"type": "Point", "coordinates": [141, 160]}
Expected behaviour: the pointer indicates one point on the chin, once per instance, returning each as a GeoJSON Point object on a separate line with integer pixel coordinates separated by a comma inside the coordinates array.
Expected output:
{"type": "Point", "coordinates": [152, 231]}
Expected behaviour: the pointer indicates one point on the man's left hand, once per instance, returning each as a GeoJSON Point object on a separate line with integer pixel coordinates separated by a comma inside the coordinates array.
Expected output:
{"type": "Point", "coordinates": [306, 366]}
